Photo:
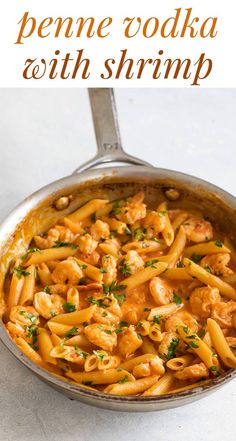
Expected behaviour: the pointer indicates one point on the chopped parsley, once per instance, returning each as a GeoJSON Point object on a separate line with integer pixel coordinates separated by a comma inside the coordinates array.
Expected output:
{"type": "Point", "coordinates": [82, 281]}
{"type": "Point", "coordinates": [113, 288]}
{"type": "Point", "coordinates": [120, 297]}
{"type": "Point", "coordinates": [196, 257]}
{"type": "Point", "coordinates": [151, 263]}
{"type": "Point", "coordinates": [124, 268]}
{"type": "Point", "coordinates": [176, 299]}
{"type": "Point", "coordinates": [102, 270]}
{"type": "Point", "coordinates": [215, 370]}
{"type": "Point", "coordinates": [47, 289]}
{"type": "Point", "coordinates": [186, 329]}
{"type": "Point", "coordinates": [83, 266]}
{"type": "Point", "coordinates": [33, 318]}
{"type": "Point", "coordinates": [172, 348]}
{"type": "Point", "coordinates": [78, 351]}
{"type": "Point", "coordinates": [156, 319]}
{"type": "Point", "coordinates": [32, 332]}
{"type": "Point", "coordinates": [127, 231]}
{"type": "Point", "coordinates": [218, 243]}
{"type": "Point", "coordinates": [208, 269]}
{"type": "Point", "coordinates": [139, 234]}
{"type": "Point", "coordinates": [71, 332]}
{"type": "Point", "coordinates": [29, 251]}
{"type": "Point", "coordinates": [68, 307]}
{"type": "Point", "coordinates": [60, 244]}
{"type": "Point", "coordinates": [99, 302]}
{"type": "Point", "coordinates": [124, 379]}
{"type": "Point", "coordinates": [180, 264]}
{"type": "Point", "coordinates": [53, 313]}
{"type": "Point", "coordinates": [147, 309]}
{"type": "Point", "coordinates": [93, 218]}
{"type": "Point", "coordinates": [115, 208]}
{"type": "Point", "coordinates": [201, 333]}
{"type": "Point", "coordinates": [162, 213]}
{"type": "Point", "coordinates": [100, 354]}
{"type": "Point", "coordinates": [19, 271]}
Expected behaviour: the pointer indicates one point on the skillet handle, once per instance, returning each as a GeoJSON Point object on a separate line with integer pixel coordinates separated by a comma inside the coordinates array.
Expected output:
{"type": "Point", "coordinates": [109, 147]}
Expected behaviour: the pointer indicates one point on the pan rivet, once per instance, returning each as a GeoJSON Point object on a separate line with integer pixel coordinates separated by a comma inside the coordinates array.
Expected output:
{"type": "Point", "coordinates": [62, 203]}
{"type": "Point", "coordinates": [172, 194]}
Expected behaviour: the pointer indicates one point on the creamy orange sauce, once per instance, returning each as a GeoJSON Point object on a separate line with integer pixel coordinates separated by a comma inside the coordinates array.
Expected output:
{"type": "Point", "coordinates": [115, 298]}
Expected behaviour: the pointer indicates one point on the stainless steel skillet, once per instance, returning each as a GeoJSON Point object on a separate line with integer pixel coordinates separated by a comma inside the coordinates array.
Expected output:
{"type": "Point", "coordinates": [42, 209]}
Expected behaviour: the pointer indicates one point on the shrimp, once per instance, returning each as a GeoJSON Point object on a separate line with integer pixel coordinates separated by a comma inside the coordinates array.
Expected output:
{"type": "Point", "coordinates": [222, 313]}
{"type": "Point", "coordinates": [154, 367]}
{"type": "Point", "coordinates": [203, 299]}
{"type": "Point", "coordinates": [198, 229]}
{"type": "Point", "coordinates": [103, 336]}
{"type": "Point", "coordinates": [154, 222]}
{"type": "Point", "coordinates": [100, 230]}
{"type": "Point", "coordinates": [58, 233]}
{"type": "Point", "coordinates": [67, 271]}
{"type": "Point", "coordinates": [111, 314]}
{"type": "Point", "coordinates": [131, 263]}
{"type": "Point", "coordinates": [217, 264]}
{"type": "Point", "coordinates": [48, 305]}
{"type": "Point", "coordinates": [179, 318]}
{"type": "Point", "coordinates": [161, 291]}
{"type": "Point", "coordinates": [24, 315]}
{"type": "Point", "coordinates": [109, 267]}
{"type": "Point", "coordinates": [92, 258]}
{"type": "Point", "coordinates": [87, 244]}
{"type": "Point", "coordinates": [129, 342]}
{"type": "Point", "coordinates": [133, 211]}
{"type": "Point", "coordinates": [193, 372]}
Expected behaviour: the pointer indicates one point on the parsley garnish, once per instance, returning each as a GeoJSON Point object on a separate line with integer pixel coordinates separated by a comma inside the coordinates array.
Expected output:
{"type": "Point", "coordinates": [19, 271]}
{"type": "Point", "coordinates": [139, 234]}
{"type": "Point", "coordinates": [176, 299]}
{"type": "Point", "coordinates": [93, 218]}
{"type": "Point", "coordinates": [79, 352]}
{"type": "Point", "coordinates": [124, 379]}
{"type": "Point", "coordinates": [147, 309]}
{"type": "Point", "coordinates": [102, 270]}
{"type": "Point", "coordinates": [180, 264]}
{"type": "Point", "coordinates": [215, 370]}
{"type": "Point", "coordinates": [47, 289]}
{"type": "Point", "coordinates": [33, 318]}
{"type": "Point", "coordinates": [71, 332]}
{"type": "Point", "coordinates": [120, 297]}
{"type": "Point", "coordinates": [115, 208]}
{"type": "Point", "coordinates": [156, 319]}
{"type": "Point", "coordinates": [151, 263]}
{"type": "Point", "coordinates": [29, 251]}
{"type": "Point", "coordinates": [60, 244]}
{"type": "Point", "coordinates": [218, 243]}
{"type": "Point", "coordinates": [124, 268]}
{"type": "Point", "coordinates": [98, 302]}
{"type": "Point", "coordinates": [172, 348]}
{"type": "Point", "coordinates": [196, 257]}
{"type": "Point", "coordinates": [127, 231]}
{"type": "Point", "coordinates": [100, 354]}
{"type": "Point", "coordinates": [208, 269]}
{"type": "Point", "coordinates": [82, 281]}
{"type": "Point", "coordinates": [68, 307]}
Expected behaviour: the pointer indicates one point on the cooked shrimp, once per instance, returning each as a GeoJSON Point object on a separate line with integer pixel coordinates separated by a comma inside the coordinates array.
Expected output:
{"type": "Point", "coordinates": [48, 305]}
{"type": "Point", "coordinates": [181, 317]}
{"type": "Point", "coordinates": [87, 244]}
{"type": "Point", "coordinates": [103, 336]}
{"type": "Point", "coordinates": [24, 315]}
{"type": "Point", "coordinates": [100, 230]}
{"type": "Point", "coordinates": [161, 290]}
{"type": "Point", "coordinates": [67, 271]}
{"type": "Point", "coordinates": [92, 258]}
{"type": "Point", "coordinates": [129, 342]}
{"type": "Point", "coordinates": [203, 299]}
{"type": "Point", "coordinates": [222, 313]}
{"type": "Point", "coordinates": [131, 263]}
{"type": "Point", "coordinates": [154, 222]}
{"type": "Point", "coordinates": [217, 264]}
{"type": "Point", "coordinates": [109, 314]}
{"type": "Point", "coordinates": [109, 267]}
{"type": "Point", "coordinates": [133, 211]}
{"type": "Point", "coordinates": [15, 329]}
{"type": "Point", "coordinates": [198, 230]}
{"type": "Point", "coordinates": [193, 372]}
{"type": "Point", "coordinates": [58, 233]}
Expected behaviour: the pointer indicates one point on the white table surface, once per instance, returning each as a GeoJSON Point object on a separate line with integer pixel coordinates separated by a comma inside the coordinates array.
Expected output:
{"type": "Point", "coordinates": [45, 134]}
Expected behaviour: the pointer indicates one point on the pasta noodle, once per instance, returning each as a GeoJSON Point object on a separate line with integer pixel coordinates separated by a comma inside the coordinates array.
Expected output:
{"type": "Point", "coordinates": [126, 299]}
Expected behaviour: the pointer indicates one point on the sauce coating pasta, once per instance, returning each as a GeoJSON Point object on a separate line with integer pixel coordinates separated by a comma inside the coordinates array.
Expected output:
{"type": "Point", "coordinates": [126, 300]}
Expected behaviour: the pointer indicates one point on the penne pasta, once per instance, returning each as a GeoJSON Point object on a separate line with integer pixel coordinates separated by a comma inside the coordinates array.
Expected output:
{"type": "Point", "coordinates": [179, 220]}
{"type": "Point", "coordinates": [228, 244]}
{"type": "Point", "coordinates": [74, 227]}
{"type": "Point", "coordinates": [179, 363]}
{"type": "Point", "coordinates": [146, 246]}
{"type": "Point", "coordinates": [27, 293]}
{"type": "Point", "coordinates": [177, 274]}
{"type": "Point", "coordinates": [74, 318]}
{"type": "Point", "coordinates": [130, 364]}
{"type": "Point", "coordinates": [16, 287]}
{"type": "Point", "coordinates": [144, 275]}
{"type": "Point", "coordinates": [178, 246]}
{"type": "Point", "coordinates": [91, 271]}
{"type": "Point", "coordinates": [132, 387]}
{"type": "Point", "coordinates": [209, 279]}
{"type": "Point", "coordinates": [148, 347]}
{"type": "Point", "coordinates": [45, 346]}
{"type": "Point", "coordinates": [49, 254]}
{"type": "Point", "coordinates": [44, 274]}
{"type": "Point", "coordinates": [220, 344]}
{"type": "Point", "coordinates": [86, 210]}
{"type": "Point", "coordinates": [206, 248]}
{"type": "Point", "coordinates": [164, 310]}
{"type": "Point", "coordinates": [100, 377]}
{"type": "Point", "coordinates": [162, 386]}
{"type": "Point", "coordinates": [168, 232]}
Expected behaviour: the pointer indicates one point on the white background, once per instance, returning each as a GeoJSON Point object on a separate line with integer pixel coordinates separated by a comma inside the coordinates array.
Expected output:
{"type": "Point", "coordinates": [220, 49]}
{"type": "Point", "coordinates": [45, 134]}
